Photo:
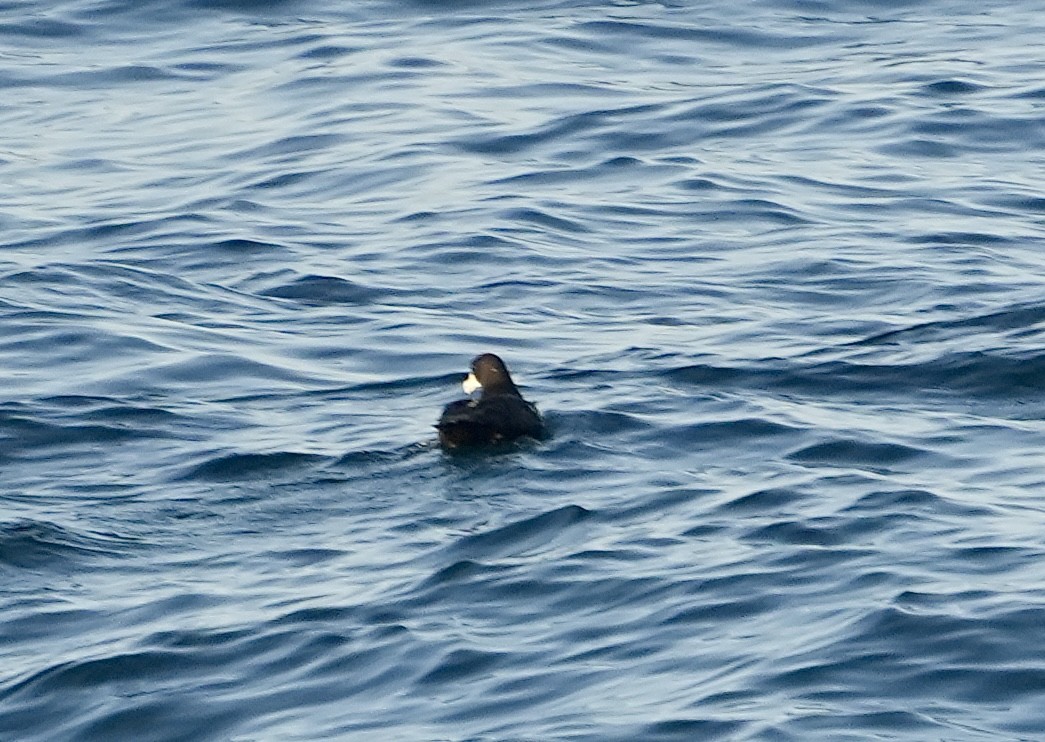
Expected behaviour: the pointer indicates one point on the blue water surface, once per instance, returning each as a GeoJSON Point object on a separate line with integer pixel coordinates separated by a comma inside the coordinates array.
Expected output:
{"type": "Point", "coordinates": [774, 273]}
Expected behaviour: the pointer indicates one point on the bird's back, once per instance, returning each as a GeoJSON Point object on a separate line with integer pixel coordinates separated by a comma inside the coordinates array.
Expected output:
{"type": "Point", "coordinates": [491, 419]}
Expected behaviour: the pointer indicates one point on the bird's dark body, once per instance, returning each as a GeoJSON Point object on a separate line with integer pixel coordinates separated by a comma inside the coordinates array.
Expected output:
{"type": "Point", "coordinates": [499, 415]}
{"type": "Point", "coordinates": [468, 422]}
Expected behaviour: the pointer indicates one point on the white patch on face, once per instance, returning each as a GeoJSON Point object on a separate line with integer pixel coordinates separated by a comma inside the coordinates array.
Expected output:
{"type": "Point", "coordinates": [471, 384]}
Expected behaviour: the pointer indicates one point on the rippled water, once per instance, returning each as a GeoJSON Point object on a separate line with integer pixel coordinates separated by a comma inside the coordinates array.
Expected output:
{"type": "Point", "coordinates": [773, 272]}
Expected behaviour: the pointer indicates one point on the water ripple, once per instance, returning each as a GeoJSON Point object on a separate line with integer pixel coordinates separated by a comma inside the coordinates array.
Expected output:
{"type": "Point", "coordinates": [772, 273]}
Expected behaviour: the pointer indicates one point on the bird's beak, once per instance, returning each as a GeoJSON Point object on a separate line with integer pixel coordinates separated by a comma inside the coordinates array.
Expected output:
{"type": "Point", "coordinates": [471, 384]}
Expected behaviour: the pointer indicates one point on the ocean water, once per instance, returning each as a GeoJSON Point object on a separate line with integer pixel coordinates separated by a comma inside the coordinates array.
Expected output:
{"type": "Point", "coordinates": [774, 273]}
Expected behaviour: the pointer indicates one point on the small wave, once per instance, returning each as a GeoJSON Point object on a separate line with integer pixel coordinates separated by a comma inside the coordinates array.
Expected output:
{"type": "Point", "coordinates": [326, 291]}
{"type": "Point", "coordinates": [520, 536]}
{"type": "Point", "coordinates": [247, 466]}
{"type": "Point", "coordinates": [771, 500]}
{"type": "Point", "coordinates": [34, 545]}
{"type": "Point", "coordinates": [857, 454]}
{"type": "Point", "coordinates": [27, 434]}
{"type": "Point", "coordinates": [462, 571]}
{"type": "Point", "coordinates": [712, 612]}
{"type": "Point", "coordinates": [980, 374]}
{"type": "Point", "coordinates": [800, 534]}
{"type": "Point", "coordinates": [459, 665]}
{"type": "Point", "coordinates": [543, 219]}
{"type": "Point", "coordinates": [689, 728]}
{"type": "Point", "coordinates": [730, 35]}
{"type": "Point", "coordinates": [911, 502]}
{"type": "Point", "coordinates": [950, 88]}
{"type": "Point", "coordinates": [215, 367]}
{"type": "Point", "coordinates": [1014, 317]}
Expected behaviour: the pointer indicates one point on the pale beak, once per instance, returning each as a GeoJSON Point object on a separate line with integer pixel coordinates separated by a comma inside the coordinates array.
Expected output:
{"type": "Point", "coordinates": [471, 384]}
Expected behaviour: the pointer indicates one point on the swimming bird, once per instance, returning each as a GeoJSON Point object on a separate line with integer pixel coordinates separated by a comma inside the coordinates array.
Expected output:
{"type": "Point", "coordinates": [498, 415]}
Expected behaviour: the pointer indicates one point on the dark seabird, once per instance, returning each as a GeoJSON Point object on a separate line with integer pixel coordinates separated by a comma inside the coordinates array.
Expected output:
{"type": "Point", "coordinates": [499, 414]}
